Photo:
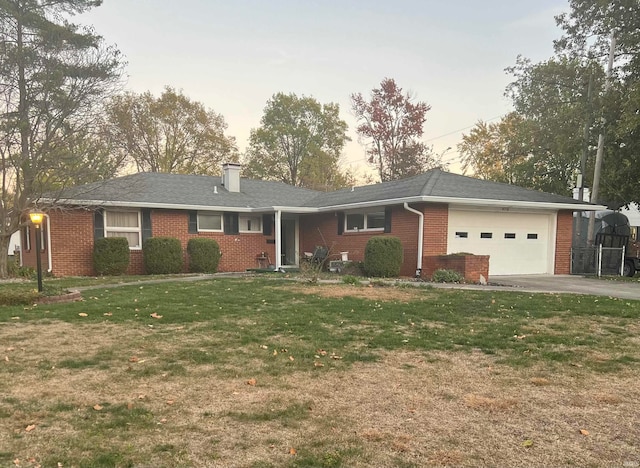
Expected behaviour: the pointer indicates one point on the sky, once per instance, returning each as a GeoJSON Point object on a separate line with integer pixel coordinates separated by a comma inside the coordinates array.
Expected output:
{"type": "Point", "coordinates": [233, 55]}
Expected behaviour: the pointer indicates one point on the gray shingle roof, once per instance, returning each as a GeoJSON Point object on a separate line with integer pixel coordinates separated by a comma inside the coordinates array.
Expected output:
{"type": "Point", "coordinates": [438, 183]}
{"type": "Point", "coordinates": [153, 189]}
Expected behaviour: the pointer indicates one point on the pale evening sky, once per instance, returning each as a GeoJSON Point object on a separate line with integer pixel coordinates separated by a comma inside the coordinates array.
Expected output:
{"type": "Point", "coordinates": [234, 55]}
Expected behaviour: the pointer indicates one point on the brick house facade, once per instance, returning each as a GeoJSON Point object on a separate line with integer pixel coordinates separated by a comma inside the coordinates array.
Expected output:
{"type": "Point", "coordinates": [343, 221]}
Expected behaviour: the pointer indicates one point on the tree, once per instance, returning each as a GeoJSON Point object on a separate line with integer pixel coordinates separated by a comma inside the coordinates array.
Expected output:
{"type": "Point", "coordinates": [299, 142]}
{"type": "Point", "coordinates": [496, 151]}
{"type": "Point", "coordinates": [391, 124]}
{"type": "Point", "coordinates": [170, 134]}
{"type": "Point", "coordinates": [53, 78]}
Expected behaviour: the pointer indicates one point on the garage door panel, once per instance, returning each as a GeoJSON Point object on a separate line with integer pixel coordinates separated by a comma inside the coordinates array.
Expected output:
{"type": "Point", "coordinates": [519, 242]}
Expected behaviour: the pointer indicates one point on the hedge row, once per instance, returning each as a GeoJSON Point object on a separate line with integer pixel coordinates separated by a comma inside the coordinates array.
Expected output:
{"type": "Point", "coordinates": [161, 255]}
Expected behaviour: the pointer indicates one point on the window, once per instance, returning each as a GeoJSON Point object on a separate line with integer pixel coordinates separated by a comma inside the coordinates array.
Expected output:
{"type": "Point", "coordinates": [532, 236]}
{"type": "Point", "coordinates": [26, 238]}
{"type": "Point", "coordinates": [486, 235]}
{"type": "Point", "coordinates": [250, 223]}
{"type": "Point", "coordinates": [123, 224]}
{"type": "Point", "coordinates": [368, 221]}
{"type": "Point", "coordinates": [462, 235]}
{"type": "Point", "coordinates": [509, 235]}
{"type": "Point", "coordinates": [209, 221]}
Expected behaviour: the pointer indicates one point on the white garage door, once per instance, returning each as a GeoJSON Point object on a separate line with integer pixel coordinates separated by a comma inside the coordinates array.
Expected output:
{"type": "Point", "coordinates": [517, 243]}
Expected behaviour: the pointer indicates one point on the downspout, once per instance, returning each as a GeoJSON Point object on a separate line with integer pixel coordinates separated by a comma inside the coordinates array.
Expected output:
{"type": "Point", "coordinates": [50, 268]}
{"type": "Point", "coordinates": [278, 229]}
{"type": "Point", "coordinates": [420, 237]}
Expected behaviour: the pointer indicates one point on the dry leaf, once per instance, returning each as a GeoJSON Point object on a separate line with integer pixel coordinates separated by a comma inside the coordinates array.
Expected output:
{"type": "Point", "coordinates": [527, 443]}
{"type": "Point", "coordinates": [11, 348]}
{"type": "Point", "coordinates": [155, 315]}
{"type": "Point", "coordinates": [30, 427]}
{"type": "Point", "coordinates": [584, 432]}
{"type": "Point", "coordinates": [133, 359]}
{"type": "Point", "coordinates": [170, 402]}
{"type": "Point", "coordinates": [318, 364]}
{"type": "Point", "coordinates": [252, 382]}
{"type": "Point", "coordinates": [129, 406]}
{"type": "Point", "coordinates": [97, 407]}
{"type": "Point", "coordinates": [275, 352]}
{"type": "Point", "coordinates": [264, 347]}
{"type": "Point", "coordinates": [108, 314]}
{"type": "Point", "coordinates": [291, 358]}
{"type": "Point", "coordinates": [293, 451]}
{"type": "Point", "coordinates": [83, 314]}
{"type": "Point", "coordinates": [6, 358]}
{"type": "Point", "coordinates": [321, 352]}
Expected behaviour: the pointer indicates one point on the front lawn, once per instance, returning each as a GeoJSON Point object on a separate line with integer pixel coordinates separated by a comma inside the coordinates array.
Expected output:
{"type": "Point", "coordinates": [266, 372]}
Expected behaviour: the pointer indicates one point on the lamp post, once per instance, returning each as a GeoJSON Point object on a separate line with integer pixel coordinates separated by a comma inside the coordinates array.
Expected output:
{"type": "Point", "coordinates": [36, 218]}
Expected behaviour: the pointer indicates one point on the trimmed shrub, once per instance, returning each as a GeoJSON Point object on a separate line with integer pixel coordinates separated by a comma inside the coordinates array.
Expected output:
{"type": "Point", "coordinates": [383, 256]}
{"type": "Point", "coordinates": [162, 255]}
{"type": "Point", "coordinates": [110, 256]}
{"type": "Point", "coordinates": [10, 297]}
{"type": "Point", "coordinates": [349, 279]}
{"type": "Point", "coordinates": [447, 276]}
{"type": "Point", "coordinates": [204, 255]}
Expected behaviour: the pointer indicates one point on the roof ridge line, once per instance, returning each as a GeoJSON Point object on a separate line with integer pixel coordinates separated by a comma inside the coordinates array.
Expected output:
{"type": "Point", "coordinates": [428, 187]}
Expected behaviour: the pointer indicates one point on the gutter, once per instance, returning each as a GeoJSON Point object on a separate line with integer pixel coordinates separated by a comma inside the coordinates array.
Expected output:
{"type": "Point", "coordinates": [50, 268]}
{"type": "Point", "coordinates": [420, 237]}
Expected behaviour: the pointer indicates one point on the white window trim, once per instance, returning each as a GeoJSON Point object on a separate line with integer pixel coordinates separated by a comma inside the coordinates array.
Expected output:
{"type": "Point", "coordinates": [27, 238]}
{"type": "Point", "coordinates": [125, 229]}
{"type": "Point", "coordinates": [211, 213]}
{"type": "Point", "coordinates": [257, 231]}
{"type": "Point", "coordinates": [365, 213]}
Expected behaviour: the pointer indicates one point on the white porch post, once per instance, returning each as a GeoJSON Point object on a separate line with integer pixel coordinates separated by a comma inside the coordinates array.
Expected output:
{"type": "Point", "coordinates": [278, 229]}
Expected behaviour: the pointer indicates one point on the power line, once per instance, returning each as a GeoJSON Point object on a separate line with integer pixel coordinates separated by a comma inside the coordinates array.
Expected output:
{"type": "Point", "coordinates": [461, 129]}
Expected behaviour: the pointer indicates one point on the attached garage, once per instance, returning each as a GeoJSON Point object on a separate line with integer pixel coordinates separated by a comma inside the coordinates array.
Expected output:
{"type": "Point", "coordinates": [517, 242]}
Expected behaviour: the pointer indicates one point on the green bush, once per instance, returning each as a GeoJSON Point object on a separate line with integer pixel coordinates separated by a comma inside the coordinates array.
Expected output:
{"type": "Point", "coordinates": [16, 271]}
{"type": "Point", "coordinates": [162, 255]}
{"type": "Point", "coordinates": [447, 276]}
{"type": "Point", "coordinates": [204, 255]}
{"type": "Point", "coordinates": [383, 256]}
{"type": "Point", "coordinates": [10, 297]}
{"type": "Point", "coordinates": [350, 279]}
{"type": "Point", "coordinates": [111, 256]}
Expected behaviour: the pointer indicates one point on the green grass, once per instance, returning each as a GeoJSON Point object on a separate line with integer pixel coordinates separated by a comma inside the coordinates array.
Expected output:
{"type": "Point", "coordinates": [245, 314]}
{"type": "Point", "coordinates": [265, 328]}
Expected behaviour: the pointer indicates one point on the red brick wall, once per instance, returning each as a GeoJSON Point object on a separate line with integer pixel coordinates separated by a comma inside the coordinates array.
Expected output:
{"type": "Point", "coordinates": [322, 229]}
{"type": "Point", "coordinates": [469, 266]}
{"type": "Point", "coordinates": [564, 235]}
{"type": "Point", "coordinates": [72, 243]}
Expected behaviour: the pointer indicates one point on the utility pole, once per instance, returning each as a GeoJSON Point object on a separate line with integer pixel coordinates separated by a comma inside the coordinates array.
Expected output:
{"type": "Point", "coordinates": [598, 167]}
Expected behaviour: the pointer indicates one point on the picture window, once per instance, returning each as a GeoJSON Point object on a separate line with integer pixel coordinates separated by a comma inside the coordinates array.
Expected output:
{"type": "Point", "coordinates": [367, 221]}
{"type": "Point", "coordinates": [210, 221]}
{"type": "Point", "coordinates": [124, 224]}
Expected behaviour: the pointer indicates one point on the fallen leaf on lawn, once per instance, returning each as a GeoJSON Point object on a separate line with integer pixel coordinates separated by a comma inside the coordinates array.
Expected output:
{"type": "Point", "coordinates": [108, 314]}
{"type": "Point", "coordinates": [584, 432]}
{"type": "Point", "coordinates": [163, 420]}
{"type": "Point", "coordinates": [97, 407]}
{"type": "Point", "coordinates": [252, 382]}
{"type": "Point", "coordinates": [275, 352]}
{"type": "Point", "coordinates": [321, 352]}
{"type": "Point", "coordinates": [11, 348]}
{"type": "Point", "coordinates": [292, 451]}
{"type": "Point", "coordinates": [133, 359]}
{"type": "Point", "coordinates": [155, 315]}
{"type": "Point", "coordinates": [170, 402]}
{"type": "Point", "coordinates": [335, 356]}
{"type": "Point", "coordinates": [83, 314]}
{"type": "Point", "coordinates": [30, 427]}
{"type": "Point", "coordinates": [264, 347]}
{"type": "Point", "coordinates": [142, 396]}
{"type": "Point", "coordinates": [318, 364]}
{"type": "Point", "coordinates": [6, 358]}
{"type": "Point", "coordinates": [129, 406]}
{"type": "Point", "coordinates": [527, 443]}
{"type": "Point", "coordinates": [291, 358]}
{"type": "Point", "coordinates": [520, 337]}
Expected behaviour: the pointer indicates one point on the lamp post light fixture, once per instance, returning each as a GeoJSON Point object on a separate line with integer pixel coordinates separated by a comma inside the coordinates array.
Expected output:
{"type": "Point", "coordinates": [36, 218]}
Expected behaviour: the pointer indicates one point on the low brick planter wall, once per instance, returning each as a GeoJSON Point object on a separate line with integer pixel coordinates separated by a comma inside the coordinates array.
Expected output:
{"type": "Point", "coordinates": [472, 267]}
{"type": "Point", "coordinates": [69, 297]}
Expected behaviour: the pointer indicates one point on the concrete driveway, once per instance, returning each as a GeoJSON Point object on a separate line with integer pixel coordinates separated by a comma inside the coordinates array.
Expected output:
{"type": "Point", "coordinates": [567, 284]}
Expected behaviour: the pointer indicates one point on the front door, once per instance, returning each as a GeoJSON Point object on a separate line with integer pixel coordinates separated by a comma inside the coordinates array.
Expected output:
{"type": "Point", "coordinates": [289, 245]}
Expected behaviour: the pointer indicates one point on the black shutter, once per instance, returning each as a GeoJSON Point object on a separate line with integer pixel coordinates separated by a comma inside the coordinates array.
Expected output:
{"type": "Point", "coordinates": [387, 219]}
{"type": "Point", "coordinates": [231, 224]}
{"type": "Point", "coordinates": [146, 224]}
{"type": "Point", "coordinates": [98, 225]}
{"type": "Point", "coordinates": [340, 223]}
{"type": "Point", "coordinates": [193, 222]}
{"type": "Point", "coordinates": [267, 224]}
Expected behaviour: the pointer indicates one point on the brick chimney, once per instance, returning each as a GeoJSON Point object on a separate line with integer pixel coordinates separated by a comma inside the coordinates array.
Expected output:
{"type": "Point", "coordinates": [231, 176]}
